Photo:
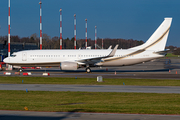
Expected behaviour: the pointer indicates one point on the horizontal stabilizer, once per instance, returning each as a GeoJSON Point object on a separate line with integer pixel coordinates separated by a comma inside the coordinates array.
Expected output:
{"type": "Point", "coordinates": [162, 52]}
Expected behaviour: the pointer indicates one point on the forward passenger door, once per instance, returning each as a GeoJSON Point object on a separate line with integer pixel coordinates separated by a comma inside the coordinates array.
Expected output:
{"type": "Point", "coordinates": [24, 56]}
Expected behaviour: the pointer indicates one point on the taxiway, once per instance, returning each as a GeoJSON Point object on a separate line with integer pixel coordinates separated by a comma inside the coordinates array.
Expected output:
{"type": "Point", "coordinates": [92, 88]}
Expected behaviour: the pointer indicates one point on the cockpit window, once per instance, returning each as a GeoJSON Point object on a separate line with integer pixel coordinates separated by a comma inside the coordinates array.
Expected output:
{"type": "Point", "coordinates": [13, 55]}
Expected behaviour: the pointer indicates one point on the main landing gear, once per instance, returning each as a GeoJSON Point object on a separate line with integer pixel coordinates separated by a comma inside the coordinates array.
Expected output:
{"type": "Point", "coordinates": [88, 70]}
{"type": "Point", "coordinates": [20, 70]}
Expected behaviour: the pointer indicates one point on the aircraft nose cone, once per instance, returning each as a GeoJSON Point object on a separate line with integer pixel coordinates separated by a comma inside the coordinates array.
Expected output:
{"type": "Point", "coordinates": [6, 60]}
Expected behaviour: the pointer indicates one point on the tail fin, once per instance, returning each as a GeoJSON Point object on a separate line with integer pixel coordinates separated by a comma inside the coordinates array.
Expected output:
{"type": "Point", "coordinates": [158, 39]}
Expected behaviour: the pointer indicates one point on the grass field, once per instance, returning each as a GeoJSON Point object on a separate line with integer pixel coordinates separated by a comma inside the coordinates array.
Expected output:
{"type": "Point", "coordinates": [142, 103]}
{"type": "Point", "coordinates": [88, 81]}
{"type": "Point", "coordinates": [171, 55]}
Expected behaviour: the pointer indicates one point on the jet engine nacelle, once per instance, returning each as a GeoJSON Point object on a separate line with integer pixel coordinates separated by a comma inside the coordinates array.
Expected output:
{"type": "Point", "coordinates": [68, 66]}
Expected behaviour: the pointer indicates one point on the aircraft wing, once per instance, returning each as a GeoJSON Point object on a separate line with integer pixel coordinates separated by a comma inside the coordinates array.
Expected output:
{"type": "Point", "coordinates": [97, 59]}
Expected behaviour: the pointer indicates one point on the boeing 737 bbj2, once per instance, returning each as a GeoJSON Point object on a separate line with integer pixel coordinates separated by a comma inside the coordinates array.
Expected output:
{"type": "Point", "coordinates": [73, 59]}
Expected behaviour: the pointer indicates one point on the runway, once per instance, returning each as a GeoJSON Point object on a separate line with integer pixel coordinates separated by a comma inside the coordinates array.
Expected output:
{"type": "Point", "coordinates": [74, 115]}
{"type": "Point", "coordinates": [91, 88]}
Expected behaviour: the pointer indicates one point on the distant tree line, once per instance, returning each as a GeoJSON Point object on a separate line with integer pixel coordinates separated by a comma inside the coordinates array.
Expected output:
{"type": "Point", "coordinates": [54, 43]}
{"type": "Point", "coordinates": [174, 50]}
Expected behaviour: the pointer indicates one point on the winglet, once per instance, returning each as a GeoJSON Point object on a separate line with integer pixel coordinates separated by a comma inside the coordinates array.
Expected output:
{"type": "Point", "coordinates": [113, 51]}
{"type": "Point", "coordinates": [110, 47]}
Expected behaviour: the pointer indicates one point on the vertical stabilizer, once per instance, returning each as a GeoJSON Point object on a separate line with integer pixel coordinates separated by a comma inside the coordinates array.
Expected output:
{"type": "Point", "coordinates": [158, 39]}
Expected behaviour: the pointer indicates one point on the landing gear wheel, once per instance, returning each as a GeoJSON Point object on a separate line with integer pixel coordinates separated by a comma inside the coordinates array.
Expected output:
{"type": "Point", "coordinates": [20, 70]}
{"type": "Point", "coordinates": [88, 70]}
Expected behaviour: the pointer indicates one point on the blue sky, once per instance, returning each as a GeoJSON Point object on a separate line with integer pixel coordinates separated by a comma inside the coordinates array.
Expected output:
{"type": "Point", "coordinates": [128, 19]}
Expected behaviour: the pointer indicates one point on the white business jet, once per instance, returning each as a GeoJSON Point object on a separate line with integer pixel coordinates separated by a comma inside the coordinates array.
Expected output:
{"type": "Point", "coordinates": [73, 59]}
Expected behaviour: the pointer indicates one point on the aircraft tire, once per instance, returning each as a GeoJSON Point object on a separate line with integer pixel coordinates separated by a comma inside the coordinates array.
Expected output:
{"type": "Point", "coordinates": [88, 70]}
{"type": "Point", "coordinates": [20, 70]}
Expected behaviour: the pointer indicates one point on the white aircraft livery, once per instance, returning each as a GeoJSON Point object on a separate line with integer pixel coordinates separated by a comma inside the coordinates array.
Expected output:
{"type": "Point", "coordinates": [153, 48]}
